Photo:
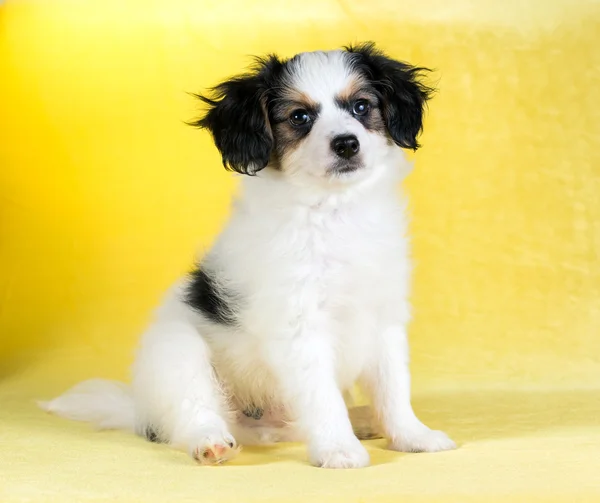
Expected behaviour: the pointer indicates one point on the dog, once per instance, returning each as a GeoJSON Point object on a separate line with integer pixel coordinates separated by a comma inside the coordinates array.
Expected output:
{"type": "Point", "coordinates": [305, 292]}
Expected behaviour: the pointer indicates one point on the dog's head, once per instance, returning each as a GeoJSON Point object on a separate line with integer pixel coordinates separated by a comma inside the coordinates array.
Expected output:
{"type": "Point", "coordinates": [326, 117]}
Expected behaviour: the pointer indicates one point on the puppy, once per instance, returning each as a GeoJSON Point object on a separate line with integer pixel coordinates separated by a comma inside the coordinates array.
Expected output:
{"type": "Point", "coordinates": [305, 292]}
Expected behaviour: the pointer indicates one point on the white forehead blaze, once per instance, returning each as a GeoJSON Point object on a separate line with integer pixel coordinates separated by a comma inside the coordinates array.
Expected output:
{"type": "Point", "coordinates": [321, 75]}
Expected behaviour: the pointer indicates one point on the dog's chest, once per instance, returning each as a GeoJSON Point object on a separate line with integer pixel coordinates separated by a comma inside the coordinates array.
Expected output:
{"type": "Point", "coordinates": [322, 273]}
{"type": "Point", "coordinates": [341, 250]}
{"type": "Point", "coordinates": [359, 269]}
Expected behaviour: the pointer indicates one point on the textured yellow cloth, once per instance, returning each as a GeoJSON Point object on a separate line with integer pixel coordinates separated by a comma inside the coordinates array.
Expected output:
{"type": "Point", "coordinates": [105, 195]}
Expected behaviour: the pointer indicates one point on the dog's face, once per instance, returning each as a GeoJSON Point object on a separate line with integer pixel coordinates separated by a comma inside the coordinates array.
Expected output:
{"type": "Point", "coordinates": [320, 117]}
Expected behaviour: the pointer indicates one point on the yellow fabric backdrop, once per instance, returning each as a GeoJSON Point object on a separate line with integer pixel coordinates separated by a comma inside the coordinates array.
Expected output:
{"type": "Point", "coordinates": [105, 195]}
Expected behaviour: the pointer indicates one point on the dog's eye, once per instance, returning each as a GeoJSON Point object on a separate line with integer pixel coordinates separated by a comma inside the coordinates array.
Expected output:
{"type": "Point", "coordinates": [299, 117]}
{"type": "Point", "coordinates": [360, 107]}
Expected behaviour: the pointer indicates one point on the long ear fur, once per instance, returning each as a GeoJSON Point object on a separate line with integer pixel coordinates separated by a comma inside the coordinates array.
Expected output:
{"type": "Point", "coordinates": [238, 120]}
{"type": "Point", "coordinates": [402, 92]}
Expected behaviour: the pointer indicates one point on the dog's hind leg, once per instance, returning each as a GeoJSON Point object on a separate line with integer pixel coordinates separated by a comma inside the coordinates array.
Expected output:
{"type": "Point", "coordinates": [177, 396]}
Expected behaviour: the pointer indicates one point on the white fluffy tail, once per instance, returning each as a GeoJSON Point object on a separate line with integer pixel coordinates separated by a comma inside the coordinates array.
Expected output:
{"type": "Point", "coordinates": [106, 404]}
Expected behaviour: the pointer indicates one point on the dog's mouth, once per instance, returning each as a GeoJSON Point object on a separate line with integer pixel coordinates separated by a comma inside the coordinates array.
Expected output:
{"type": "Point", "coordinates": [345, 167]}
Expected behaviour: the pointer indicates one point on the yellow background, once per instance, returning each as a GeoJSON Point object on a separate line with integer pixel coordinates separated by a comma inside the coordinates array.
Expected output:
{"type": "Point", "coordinates": [105, 197]}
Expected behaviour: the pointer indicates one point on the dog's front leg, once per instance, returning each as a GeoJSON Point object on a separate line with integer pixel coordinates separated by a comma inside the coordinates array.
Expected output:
{"type": "Point", "coordinates": [388, 382]}
{"type": "Point", "coordinates": [304, 364]}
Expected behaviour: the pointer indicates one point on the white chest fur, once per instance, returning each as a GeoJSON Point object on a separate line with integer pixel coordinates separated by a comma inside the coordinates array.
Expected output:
{"type": "Point", "coordinates": [335, 269]}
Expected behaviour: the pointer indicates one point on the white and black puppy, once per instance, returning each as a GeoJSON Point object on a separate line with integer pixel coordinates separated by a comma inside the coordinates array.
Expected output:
{"type": "Point", "coordinates": [305, 292]}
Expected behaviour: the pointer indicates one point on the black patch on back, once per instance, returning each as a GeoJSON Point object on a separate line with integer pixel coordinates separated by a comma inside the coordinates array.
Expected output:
{"type": "Point", "coordinates": [204, 295]}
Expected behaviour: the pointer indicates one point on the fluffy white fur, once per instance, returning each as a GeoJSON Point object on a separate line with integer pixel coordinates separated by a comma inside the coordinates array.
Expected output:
{"type": "Point", "coordinates": [321, 263]}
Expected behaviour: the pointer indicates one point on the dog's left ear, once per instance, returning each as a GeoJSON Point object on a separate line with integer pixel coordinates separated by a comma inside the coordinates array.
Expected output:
{"type": "Point", "coordinates": [237, 118]}
{"type": "Point", "coordinates": [402, 93]}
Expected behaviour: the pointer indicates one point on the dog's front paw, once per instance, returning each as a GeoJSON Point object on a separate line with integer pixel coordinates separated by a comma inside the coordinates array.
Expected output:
{"type": "Point", "coordinates": [350, 455]}
{"type": "Point", "coordinates": [214, 447]}
{"type": "Point", "coordinates": [422, 439]}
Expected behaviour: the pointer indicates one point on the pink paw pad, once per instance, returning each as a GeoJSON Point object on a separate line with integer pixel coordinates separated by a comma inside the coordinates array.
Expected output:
{"type": "Point", "coordinates": [215, 454]}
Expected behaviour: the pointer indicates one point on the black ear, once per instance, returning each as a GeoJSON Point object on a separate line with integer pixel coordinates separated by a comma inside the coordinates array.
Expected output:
{"type": "Point", "coordinates": [403, 94]}
{"type": "Point", "coordinates": [238, 120]}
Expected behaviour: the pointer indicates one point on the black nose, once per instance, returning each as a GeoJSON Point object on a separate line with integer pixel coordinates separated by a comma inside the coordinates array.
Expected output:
{"type": "Point", "coordinates": [345, 146]}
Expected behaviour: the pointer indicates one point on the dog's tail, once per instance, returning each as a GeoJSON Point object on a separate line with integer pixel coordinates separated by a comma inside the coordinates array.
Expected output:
{"type": "Point", "coordinates": [106, 404]}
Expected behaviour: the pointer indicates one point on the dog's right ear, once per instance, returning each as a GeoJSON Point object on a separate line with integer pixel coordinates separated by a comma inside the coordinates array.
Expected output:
{"type": "Point", "coordinates": [238, 120]}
